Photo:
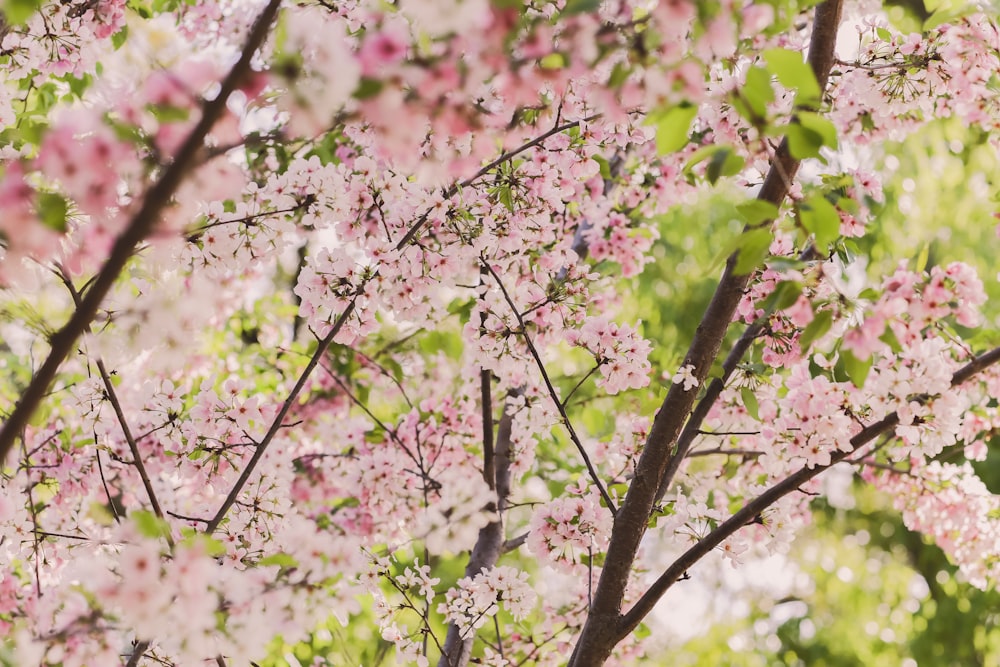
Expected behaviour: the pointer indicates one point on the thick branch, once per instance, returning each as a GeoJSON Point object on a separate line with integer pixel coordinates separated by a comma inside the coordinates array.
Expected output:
{"type": "Point", "coordinates": [137, 652]}
{"type": "Point", "coordinates": [142, 223]}
{"type": "Point", "coordinates": [600, 633]}
{"type": "Point", "coordinates": [753, 508]}
{"type": "Point", "coordinates": [708, 399]}
{"type": "Point", "coordinates": [490, 544]}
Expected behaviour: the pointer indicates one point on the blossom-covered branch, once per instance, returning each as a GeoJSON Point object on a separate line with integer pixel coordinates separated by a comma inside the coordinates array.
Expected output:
{"type": "Point", "coordinates": [598, 636]}
{"type": "Point", "coordinates": [745, 515]}
{"type": "Point", "coordinates": [142, 224]}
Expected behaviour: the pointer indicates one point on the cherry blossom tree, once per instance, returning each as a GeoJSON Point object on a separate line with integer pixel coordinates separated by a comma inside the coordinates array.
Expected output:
{"type": "Point", "coordinates": [316, 309]}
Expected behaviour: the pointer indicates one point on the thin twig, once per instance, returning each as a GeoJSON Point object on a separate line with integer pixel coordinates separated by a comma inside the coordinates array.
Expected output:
{"type": "Point", "coordinates": [109, 389]}
{"type": "Point", "coordinates": [725, 452]}
{"type": "Point", "coordinates": [790, 484]}
{"type": "Point", "coordinates": [153, 204]}
{"type": "Point", "coordinates": [693, 426]}
{"type": "Point", "coordinates": [552, 391]}
{"type": "Point", "coordinates": [276, 423]}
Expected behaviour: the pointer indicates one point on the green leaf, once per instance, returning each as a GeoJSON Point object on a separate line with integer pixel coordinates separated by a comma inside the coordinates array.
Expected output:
{"type": "Point", "coordinates": [723, 163]}
{"type": "Point", "coordinates": [368, 88]}
{"type": "Point", "coordinates": [119, 38]}
{"type": "Point", "coordinates": [922, 257]}
{"type": "Point", "coordinates": [794, 73]}
{"type": "Point", "coordinates": [506, 197]}
{"type": "Point", "coordinates": [820, 125]}
{"type": "Point", "coordinates": [821, 323]}
{"type": "Point", "coordinates": [148, 524]}
{"type": "Point", "coordinates": [553, 61]}
{"type": "Point", "coordinates": [168, 114]}
{"type": "Point", "coordinates": [750, 402]}
{"type": "Point", "coordinates": [756, 93]}
{"type": "Point", "coordinates": [803, 143]}
{"type": "Point", "coordinates": [947, 14]}
{"type": "Point", "coordinates": [889, 338]}
{"type": "Point", "coordinates": [101, 514]}
{"type": "Point", "coordinates": [753, 249]}
{"type": "Point", "coordinates": [672, 127]}
{"type": "Point", "coordinates": [756, 211]}
{"type": "Point", "coordinates": [619, 75]}
{"type": "Point", "coordinates": [784, 295]}
{"type": "Point", "coordinates": [856, 369]}
{"type": "Point", "coordinates": [580, 7]}
{"type": "Point", "coordinates": [19, 11]}
{"type": "Point", "coordinates": [280, 559]}
{"type": "Point", "coordinates": [605, 167]}
{"type": "Point", "coordinates": [52, 209]}
{"type": "Point", "coordinates": [78, 84]}
{"type": "Point", "coordinates": [821, 219]}
{"type": "Point", "coordinates": [210, 545]}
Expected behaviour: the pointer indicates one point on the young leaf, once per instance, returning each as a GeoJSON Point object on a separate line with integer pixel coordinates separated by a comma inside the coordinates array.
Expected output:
{"type": "Point", "coordinates": [856, 369]}
{"type": "Point", "coordinates": [803, 143]}
{"type": "Point", "coordinates": [793, 72]}
{"type": "Point", "coordinates": [820, 218]}
{"type": "Point", "coordinates": [52, 209]}
{"type": "Point", "coordinates": [756, 211]}
{"type": "Point", "coordinates": [821, 323]}
{"type": "Point", "coordinates": [723, 163]}
{"type": "Point", "coordinates": [672, 128]}
{"type": "Point", "coordinates": [148, 524]}
{"type": "Point", "coordinates": [754, 246]}
{"type": "Point", "coordinates": [756, 94]}
{"type": "Point", "coordinates": [750, 402]}
{"type": "Point", "coordinates": [784, 295]}
{"type": "Point", "coordinates": [280, 559]}
{"type": "Point", "coordinates": [580, 7]}
{"type": "Point", "coordinates": [820, 125]}
{"type": "Point", "coordinates": [19, 11]}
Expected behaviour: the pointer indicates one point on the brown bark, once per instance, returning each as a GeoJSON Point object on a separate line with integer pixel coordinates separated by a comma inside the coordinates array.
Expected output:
{"type": "Point", "coordinates": [602, 630]}
{"type": "Point", "coordinates": [142, 223]}
{"type": "Point", "coordinates": [489, 545]}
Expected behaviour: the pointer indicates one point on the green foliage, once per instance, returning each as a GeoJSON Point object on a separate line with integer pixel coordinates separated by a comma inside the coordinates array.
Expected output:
{"type": "Point", "coordinates": [722, 161]}
{"type": "Point", "coordinates": [794, 73]}
{"type": "Point", "coordinates": [755, 95]}
{"type": "Point", "coordinates": [52, 209]}
{"type": "Point", "coordinates": [580, 7]}
{"type": "Point", "coordinates": [17, 12]}
{"type": "Point", "coordinates": [148, 524]}
{"type": "Point", "coordinates": [820, 218]}
{"type": "Point", "coordinates": [672, 126]}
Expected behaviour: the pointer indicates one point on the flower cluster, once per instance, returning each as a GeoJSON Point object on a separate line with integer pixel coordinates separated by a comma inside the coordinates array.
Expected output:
{"type": "Point", "coordinates": [620, 352]}
{"type": "Point", "coordinates": [568, 530]}
{"type": "Point", "coordinates": [474, 600]}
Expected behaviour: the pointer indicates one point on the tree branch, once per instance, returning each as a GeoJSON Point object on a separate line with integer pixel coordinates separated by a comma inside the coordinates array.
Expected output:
{"type": "Point", "coordinates": [407, 238]}
{"type": "Point", "coordinates": [490, 544]}
{"type": "Point", "coordinates": [109, 389]}
{"type": "Point", "coordinates": [509, 155]}
{"type": "Point", "coordinates": [693, 426]}
{"type": "Point", "coordinates": [279, 418]}
{"type": "Point", "coordinates": [142, 223]}
{"type": "Point", "coordinates": [600, 632]}
{"type": "Point", "coordinates": [753, 508]}
{"type": "Point", "coordinates": [552, 391]}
